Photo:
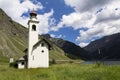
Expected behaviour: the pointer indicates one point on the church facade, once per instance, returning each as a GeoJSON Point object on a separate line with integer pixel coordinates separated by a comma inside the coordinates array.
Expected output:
{"type": "Point", "coordinates": [38, 49]}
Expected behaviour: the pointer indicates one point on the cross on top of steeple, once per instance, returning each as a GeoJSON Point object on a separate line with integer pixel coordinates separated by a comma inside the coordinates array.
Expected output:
{"type": "Point", "coordinates": [33, 13]}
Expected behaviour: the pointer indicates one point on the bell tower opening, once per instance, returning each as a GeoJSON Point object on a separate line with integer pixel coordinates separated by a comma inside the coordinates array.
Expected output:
{"type": "Point", "coordinates": [33, 27]}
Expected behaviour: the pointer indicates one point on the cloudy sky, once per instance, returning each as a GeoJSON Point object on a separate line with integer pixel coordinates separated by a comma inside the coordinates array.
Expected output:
{"type": "Point", "coordinates": [79, 21]}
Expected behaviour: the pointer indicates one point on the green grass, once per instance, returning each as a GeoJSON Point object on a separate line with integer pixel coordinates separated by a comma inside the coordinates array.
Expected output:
{"type": "Point", "coordinates": [58, 56]}
{"type": "Point", "coordinates": [62, 72]}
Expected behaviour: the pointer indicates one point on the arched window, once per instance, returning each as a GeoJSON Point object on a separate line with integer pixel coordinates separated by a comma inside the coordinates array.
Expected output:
{"type": "Point", "coordinates": [42, 44]}
{"type": "Point", "coordinates": [33, 27]}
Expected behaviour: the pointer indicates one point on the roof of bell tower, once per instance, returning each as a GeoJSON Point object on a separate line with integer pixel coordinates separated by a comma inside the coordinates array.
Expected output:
{"type": "Point", "coordinates": [33, 13]}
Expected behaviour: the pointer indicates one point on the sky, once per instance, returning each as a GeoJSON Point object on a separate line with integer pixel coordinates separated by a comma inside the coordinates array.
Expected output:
{"type": "Point", "coordinates": [78, 21]}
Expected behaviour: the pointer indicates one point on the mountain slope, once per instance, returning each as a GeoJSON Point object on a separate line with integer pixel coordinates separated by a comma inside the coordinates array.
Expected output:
{"type": "Point", "coordinates": [13, 40]}
{"type": "Point", "coordinates": [109, 47]}
{"type": "Point", "coordinates": [71, 50]}
{"type": "Point", "coordinates": [13, 37]}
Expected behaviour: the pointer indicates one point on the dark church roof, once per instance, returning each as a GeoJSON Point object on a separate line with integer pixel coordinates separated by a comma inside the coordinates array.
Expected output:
{"type": "Point", "coordinates": [40, 40]}
{"type": "Point", "coordinates": [24, 58]}
{"type": "Point", "coordinates": [33, 13]}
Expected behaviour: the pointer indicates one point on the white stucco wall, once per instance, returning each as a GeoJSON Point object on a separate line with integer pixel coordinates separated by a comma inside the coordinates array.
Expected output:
{"type": "Point", "coordinates": [20, 66]}
{"type": "Point", "coordinates": [38, 58]}
{"type": "Point", "coordinates": [33, 38]}
{"type": "Point", "coordinates": [33, 35]}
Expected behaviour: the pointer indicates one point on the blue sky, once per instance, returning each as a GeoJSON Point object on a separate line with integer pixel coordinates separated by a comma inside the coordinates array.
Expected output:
{"type": "Point", "coordinates": [78, 21]}
{"type": "Point", "coordinates": [60, 9]}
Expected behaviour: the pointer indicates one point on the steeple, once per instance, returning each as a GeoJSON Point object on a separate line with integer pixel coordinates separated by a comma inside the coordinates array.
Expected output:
{"type": "Point", "coordinates": [33, 34]}
{"type": "Point", "coordinates": [33, 14]}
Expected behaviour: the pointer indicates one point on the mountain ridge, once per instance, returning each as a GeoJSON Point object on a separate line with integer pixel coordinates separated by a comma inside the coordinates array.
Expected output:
{"type": "Point", "coordinates": [109, 47]}
{"type": "Point", "coordinates": [14, 37]}
{"type": "Point", "coordinates": [14, 40]}
{"type": "Point", "coordinates": [71, 49]}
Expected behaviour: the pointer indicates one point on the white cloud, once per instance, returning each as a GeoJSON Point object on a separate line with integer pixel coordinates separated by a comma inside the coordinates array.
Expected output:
{"type": "Point", "coordinates": [100, 17]}
{"type": "Point", "coordinates": [99, 30]}
{"type": "Point", "coordinates": [52, 35]}
{"type": "Point", "coordinates": [45, 22]}
{"type": "Point", "coordinates": [83, 44]}
{"type": "Point", "coordinates": [15, 9]}
{"type": "Point", "coordinates": [75, 20]}
{"type": "Point", "coordinates": [107, 15]}
{"type": "Point", "coordinates": [87, 5]}
{"type": "Point", "coordinates": [60, 36]}
{"type": "Point", "coordinates": [57, 36]}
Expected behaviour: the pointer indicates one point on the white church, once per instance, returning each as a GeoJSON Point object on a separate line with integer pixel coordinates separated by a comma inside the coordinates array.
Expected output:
{"type": "Point", "coordinates": [38, 49]}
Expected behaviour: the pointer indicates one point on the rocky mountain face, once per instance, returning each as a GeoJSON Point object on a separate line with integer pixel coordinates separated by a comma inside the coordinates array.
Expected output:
{"type": "Point", "coordinates": [106, 48]}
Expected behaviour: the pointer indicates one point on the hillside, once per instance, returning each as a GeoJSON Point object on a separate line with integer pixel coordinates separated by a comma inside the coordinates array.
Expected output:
{"type": "Point", "coordinates": [13, 40]}
{"type": "Point", "coordinates": [109, 47]}
{"type": "Point", "coordinates": [13, 37]}
{"type": "Point", "coordinates": [71, 49]}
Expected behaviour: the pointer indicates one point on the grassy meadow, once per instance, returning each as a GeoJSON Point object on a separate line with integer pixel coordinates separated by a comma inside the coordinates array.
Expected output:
{"type": "Point", "coordinates": [66, 71]}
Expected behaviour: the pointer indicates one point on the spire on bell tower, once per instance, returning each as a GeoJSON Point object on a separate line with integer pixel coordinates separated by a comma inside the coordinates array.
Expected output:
{"type": "Point", "coordinates": [33, 14]}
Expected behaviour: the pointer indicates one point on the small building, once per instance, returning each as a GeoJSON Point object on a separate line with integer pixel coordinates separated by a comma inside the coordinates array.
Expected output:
{"type": "Point", "coordinates": [21, 63]}
{"type": "Point", "coordinates": [38, 49]}
{"type": "Point", "coordinates": [11, 60]}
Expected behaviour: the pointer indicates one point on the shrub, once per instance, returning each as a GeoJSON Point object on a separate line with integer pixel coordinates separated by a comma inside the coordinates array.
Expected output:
{"type": "Point", "coordinates": [53, 61]}
{"type": "Point", "coordinates": [98, 64]}
{"type": "Point", "coordinates": [70, 61]}
{"type": "Point", "coordinates": [14, 64]}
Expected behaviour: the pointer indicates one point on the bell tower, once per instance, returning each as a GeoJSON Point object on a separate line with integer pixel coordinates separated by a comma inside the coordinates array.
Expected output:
{"type": "Point", "coordinates": [33, 34]}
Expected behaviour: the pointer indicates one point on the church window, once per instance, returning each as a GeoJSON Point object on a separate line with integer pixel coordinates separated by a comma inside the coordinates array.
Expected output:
{"type": "Point", "coordinates": [42, 51]}
{"type": "Point", "coordinates": [42, 44]}
{"type": "Point", "coordinates": [33, 27]}
{"type": "Point", "coordinates": [22, 63]}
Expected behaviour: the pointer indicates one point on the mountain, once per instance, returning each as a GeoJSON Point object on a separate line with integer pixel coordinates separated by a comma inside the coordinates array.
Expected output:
{"type": "Point", "coordinates": [14, 37]}
{"type": "Point", "coordinates": [71, 49]}
{"type": "Point", "coordinates": [108, 46]}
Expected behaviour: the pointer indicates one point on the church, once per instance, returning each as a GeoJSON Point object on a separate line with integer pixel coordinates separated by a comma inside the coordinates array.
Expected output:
{"type": "Point", "coordinates": [37, 54]}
